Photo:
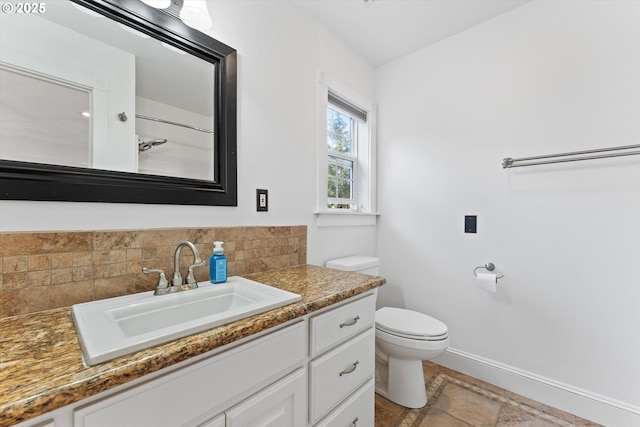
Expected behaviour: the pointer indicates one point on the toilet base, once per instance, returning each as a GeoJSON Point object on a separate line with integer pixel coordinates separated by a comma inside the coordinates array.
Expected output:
{"type": "Point", "coordinates": [401, 381]}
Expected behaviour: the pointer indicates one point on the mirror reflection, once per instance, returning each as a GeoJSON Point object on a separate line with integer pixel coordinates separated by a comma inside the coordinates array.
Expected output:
{"type": "Point", "coordinates": [43, 120]}
{"type": "Point", "coordinates": [81, 90]}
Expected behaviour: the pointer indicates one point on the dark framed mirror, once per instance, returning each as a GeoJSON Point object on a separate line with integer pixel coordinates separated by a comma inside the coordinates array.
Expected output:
{"type": "Point", "coordinates": [200, 179]}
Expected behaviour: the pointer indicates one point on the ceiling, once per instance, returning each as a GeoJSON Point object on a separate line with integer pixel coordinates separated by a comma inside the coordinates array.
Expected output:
{"type": "Point", "coordinates": [385, 30]}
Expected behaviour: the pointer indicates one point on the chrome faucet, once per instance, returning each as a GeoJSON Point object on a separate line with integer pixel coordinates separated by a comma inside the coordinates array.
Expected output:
{"type": "Point", "coordinates": [191, 281]}
{"type": "Point", "coordinates": [177, 284]}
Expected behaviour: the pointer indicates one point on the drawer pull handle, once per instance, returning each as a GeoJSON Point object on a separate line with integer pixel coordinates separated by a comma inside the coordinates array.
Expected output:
{"type": "Point", "coordinates": [351, 323]}
{"type": "Point", "coordinates": [351, 369]}
{"type": "Point", "coordinates": [354, 422]}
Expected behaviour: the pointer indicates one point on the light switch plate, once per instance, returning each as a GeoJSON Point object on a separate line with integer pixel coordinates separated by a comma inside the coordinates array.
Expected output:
{"type": "Point", "coordinates": [470, 224]}
{"type": "Point", "coordinates": [262, 200]}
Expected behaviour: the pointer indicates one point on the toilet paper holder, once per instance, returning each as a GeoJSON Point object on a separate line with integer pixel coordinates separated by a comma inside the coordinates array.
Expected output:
{"type": "Point", "coordinates": [489, 267]}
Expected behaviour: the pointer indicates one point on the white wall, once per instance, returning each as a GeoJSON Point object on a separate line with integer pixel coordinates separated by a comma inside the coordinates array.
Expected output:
{"type": "Point", "coordinates": [280, 50]}
{"type": "Point", "coordinates": [547, 77]}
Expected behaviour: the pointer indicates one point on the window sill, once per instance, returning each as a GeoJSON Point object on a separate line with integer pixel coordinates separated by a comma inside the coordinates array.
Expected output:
{"type": "Point", "coordinates": [343, 219]}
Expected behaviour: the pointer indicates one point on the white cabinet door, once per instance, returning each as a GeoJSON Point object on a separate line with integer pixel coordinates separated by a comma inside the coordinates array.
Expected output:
{"type": "Point", "coordinates": [185, 395]}
{"type": "Point", "coordinates": [280, 405]}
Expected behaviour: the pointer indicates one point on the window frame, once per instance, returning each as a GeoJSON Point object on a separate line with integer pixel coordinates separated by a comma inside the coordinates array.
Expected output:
{"type": "Point", "coordinates": [364, 212]}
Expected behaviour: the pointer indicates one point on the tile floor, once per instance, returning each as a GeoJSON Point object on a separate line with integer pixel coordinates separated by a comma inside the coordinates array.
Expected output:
{"type": "Point", "coordinates": [457, 400]}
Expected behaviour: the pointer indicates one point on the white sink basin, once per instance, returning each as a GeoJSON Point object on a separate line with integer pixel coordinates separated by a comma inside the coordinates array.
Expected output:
{"type": "Point", "coordinates": [114, 327]}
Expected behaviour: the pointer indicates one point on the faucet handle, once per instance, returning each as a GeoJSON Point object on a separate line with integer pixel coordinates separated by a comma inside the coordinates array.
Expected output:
{"type": "Point", "coordinates": [163, 284]}
{"type": "Point", "coordinates": [191, 278]}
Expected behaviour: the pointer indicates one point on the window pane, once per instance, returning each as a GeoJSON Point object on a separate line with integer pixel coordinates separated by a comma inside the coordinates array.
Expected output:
{"type": "Point", "coordinates": [340, 178]}
{"type": "Point", "coordinates": [343, 172]}
{"type": "Point", "coordinates": [331, 189]}
{"type": "Point", "coordinates": [339, 131]}
{"type": "Point", "coordinates": [344, 189]}
{"type": "Point", "coordinates": [340, 168]}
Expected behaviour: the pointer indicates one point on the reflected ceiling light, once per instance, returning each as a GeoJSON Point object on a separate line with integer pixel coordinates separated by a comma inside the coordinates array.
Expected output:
{"type": "Point", "coordinates": [132, 31]}
{"type": "Point", "coordinates": [194, 13]}
{"type": "Point", "coordinates": [85, 114]}
{"type": "Point", "coordinates": [158, 4]}
{"type": "Point", "coordinates": [87, 11]}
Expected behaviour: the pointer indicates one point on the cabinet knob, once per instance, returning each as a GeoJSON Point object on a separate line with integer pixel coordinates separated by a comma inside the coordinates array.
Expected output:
{"type": "Point", "coordinates": [350, 323]}
{"type": "Point", "coordinates": [351, 369]}
{"type": "Point", "coordinates": [354, 422]}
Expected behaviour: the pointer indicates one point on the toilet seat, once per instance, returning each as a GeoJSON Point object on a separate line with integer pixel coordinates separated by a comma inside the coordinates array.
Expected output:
{"type": "Point", "coordinates": [410, 324]}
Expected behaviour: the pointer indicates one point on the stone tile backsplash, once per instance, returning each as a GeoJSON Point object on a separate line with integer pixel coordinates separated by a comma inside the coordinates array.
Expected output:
{"type": "Point", "coordinates": [44, 270]}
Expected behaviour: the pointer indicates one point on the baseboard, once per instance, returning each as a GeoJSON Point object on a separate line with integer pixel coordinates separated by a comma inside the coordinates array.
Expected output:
{"type": "Point", "coordinates": [585, 404]}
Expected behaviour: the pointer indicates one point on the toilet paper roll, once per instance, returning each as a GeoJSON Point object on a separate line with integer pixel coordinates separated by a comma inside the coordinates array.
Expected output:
{"type": "Point", "coordinates": [487, 281]}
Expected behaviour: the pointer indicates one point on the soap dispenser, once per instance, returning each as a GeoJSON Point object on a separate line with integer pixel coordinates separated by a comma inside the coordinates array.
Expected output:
{"type": "Point", "coordinates": [218, 264]}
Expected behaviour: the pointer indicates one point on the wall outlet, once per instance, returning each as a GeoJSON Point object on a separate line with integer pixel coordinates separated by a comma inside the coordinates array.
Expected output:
{"type": "Point", "coordinates": [262, 200]}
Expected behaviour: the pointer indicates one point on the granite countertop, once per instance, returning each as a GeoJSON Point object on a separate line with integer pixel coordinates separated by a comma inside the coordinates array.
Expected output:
{"type": "Point", "coordinates": [41, 366]}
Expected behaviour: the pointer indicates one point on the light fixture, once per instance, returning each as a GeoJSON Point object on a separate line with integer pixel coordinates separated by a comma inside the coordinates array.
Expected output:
{"type": "Point", "coordinates": [158, 4]}
{"type": "Point", "coordinates": [194, 13]}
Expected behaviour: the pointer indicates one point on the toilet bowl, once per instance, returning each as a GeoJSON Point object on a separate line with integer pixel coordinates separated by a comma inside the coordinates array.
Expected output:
{"type": "Point", "coordinates": [404, 338]}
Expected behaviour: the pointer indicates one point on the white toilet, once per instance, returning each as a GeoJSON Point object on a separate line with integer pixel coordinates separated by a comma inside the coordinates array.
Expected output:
{"type": "Point", "coordinates": [404, 338]}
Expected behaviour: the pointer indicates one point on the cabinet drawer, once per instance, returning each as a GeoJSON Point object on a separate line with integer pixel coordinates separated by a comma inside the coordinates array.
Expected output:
{"type": "Point", "coordinates": [189, 393]}
{"type": "Point", "coordinates": [338, 373]}
{"type": "Point", "coordinates": [330, 328]}
{"type": "Point", "coordinates": [357, 411]}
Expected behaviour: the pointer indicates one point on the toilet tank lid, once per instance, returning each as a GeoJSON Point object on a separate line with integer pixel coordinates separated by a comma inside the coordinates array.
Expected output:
{"type": "Point", "coordinates": [353, 263]}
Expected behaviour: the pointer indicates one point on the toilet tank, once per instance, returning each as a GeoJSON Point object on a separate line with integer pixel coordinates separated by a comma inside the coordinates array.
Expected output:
{"type": "Point", "coordinates": [357, 263]}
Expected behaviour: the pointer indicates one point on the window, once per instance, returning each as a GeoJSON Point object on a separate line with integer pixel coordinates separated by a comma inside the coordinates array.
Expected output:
{"type": "Point", "coordinates": [346, 156]}
{"type": "Point", "coordinates": [347, 159]}
{"type": "Point", "coordinates": [342, 136]}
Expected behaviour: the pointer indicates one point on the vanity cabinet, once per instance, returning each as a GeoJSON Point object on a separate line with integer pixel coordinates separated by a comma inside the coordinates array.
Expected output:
{"type": "Point", "coordinates": [316, 371]}
{"type": "Point", "coordinates": [203, 389]}
{"type": "Point", "coordinates": [341, 371]}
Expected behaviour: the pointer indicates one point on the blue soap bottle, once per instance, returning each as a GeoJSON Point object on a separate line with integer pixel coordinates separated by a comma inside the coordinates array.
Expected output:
{"type": "Point", "coordinates": [218, 264]}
